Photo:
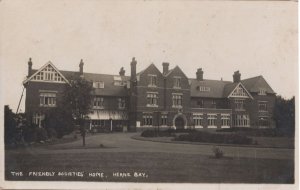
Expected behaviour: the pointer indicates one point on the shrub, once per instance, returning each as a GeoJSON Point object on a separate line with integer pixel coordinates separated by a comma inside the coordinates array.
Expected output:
{"type": "Point", "coordinates": [156, 133]}
{"type": "Point", "coordinates": [217, 152]}
{"type": "Point", "coordinates": [41, 134]}
{"type": "Point", "coordinates": [201, 136]}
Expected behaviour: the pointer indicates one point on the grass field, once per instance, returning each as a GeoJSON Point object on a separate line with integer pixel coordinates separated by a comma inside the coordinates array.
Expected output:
{"type": "Point", "coordinates": [158, 167]}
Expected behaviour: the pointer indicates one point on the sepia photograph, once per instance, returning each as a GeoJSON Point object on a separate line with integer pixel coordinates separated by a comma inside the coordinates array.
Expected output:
{"type": "Point", "coordinates": [149, 94]}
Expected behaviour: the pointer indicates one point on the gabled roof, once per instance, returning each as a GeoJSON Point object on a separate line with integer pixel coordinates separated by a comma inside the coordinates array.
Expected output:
{"type": "Point", "coordinates": [216, 88]}
{"type": "Point", "coordinates": [230, 88]}
{"type": "Point", "coordinates": [48, 63]}
{"type": "Point", "coordinates": [151, 65]}
{"type": "Point", "coordinates": [256, 83]}
{"type": "Point", "coordinates": [172, 70]}
{"type": "Point", "coordinates": [109, 88]}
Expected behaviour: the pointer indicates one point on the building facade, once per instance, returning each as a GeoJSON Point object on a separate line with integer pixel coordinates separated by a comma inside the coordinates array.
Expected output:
{"type": "Point", "coordinates": [153, 98]}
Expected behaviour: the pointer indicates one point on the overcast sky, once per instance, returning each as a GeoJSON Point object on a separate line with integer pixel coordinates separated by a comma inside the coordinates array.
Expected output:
{"type": "Point", "coordinates": [257, 38]}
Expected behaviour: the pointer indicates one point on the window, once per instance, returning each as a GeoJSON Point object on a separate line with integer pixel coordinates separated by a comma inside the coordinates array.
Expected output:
{"type": "Point", "coordinates": [212, 119]}
{"type": "Point", "coordinates": [152, 80]}
{"type": "Point", "coordinates": [225, 120]}
{"type": "Point", "coordinates": [147, 119]}
{"type": "Point", "coordinates": [152, 98]}
{"type": "Point", "coordinates": [177, 81]}
{"type": "Point", "coordinates": [241, 120]}
{"type": "Point", "coordinates": [98, 103]}
{"type": "Point", "coordinates": [262, 91]}
{"type": "Point", "coordinates": [164, 119]}
{"type": "Point", "coordinates": [198, 120]}
{"type": "Point", "coordinates": [99, 84]}
{"type": "Point", "coordinates": [118, 81]}
{"type": "Point", "coordinates": [203, 88]}
{"type": "Point", "coordinates": [37, 118]}
{"type": "Point", "coordinates": [48, 74]}
{"type": "Point", "coordinates": [213, 103]}
{"type": "Point", "coordinates": [262, 106]}
{"type": "Point", "coordinates": [98, 123]}
{"type": "Point", "coordinates": [239, 104]}
{"type": "Point", "coordinates": [263, 121]}
{"type": "Point", "coordinates": [121, 103]}
{"type": "Point", "coordinates": [48, 99]}
{"type": "Point", "coordinates": [177, 100]}
{"type": "Point", "coordinates": [200, 103]}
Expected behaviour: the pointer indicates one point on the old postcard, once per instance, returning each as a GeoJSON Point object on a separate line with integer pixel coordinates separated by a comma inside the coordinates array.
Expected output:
{"type": "Point", "coordinates": [149, 94]}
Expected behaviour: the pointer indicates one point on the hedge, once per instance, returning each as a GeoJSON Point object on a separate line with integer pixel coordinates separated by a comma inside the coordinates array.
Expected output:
{"type": "Point", "coordinates": [207, 137]}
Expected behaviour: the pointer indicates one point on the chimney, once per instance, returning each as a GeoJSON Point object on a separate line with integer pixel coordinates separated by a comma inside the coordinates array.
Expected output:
{"type": "Point", "coordinates": [199, 74]}
{"type": "Point", "coordinates": [122, 71]}
{"type": "Point", "coordinates": [81, 67]}
{"type": "Point", "coordinates": [133, 69]}
{"type": "Point", "coordinates": [29, 67]}
{"type": "Point", "coordinates": [236, 76]}
{"type": "Point", "coordinates": [165, 68]}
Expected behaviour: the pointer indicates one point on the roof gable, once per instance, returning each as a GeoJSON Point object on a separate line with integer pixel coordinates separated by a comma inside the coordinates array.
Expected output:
{"type": "Point", "coordinates": [239, 92]}
{"type": "Point", "coordinates": [47, 73]}
{"type": "Point", "coordinates": [176, 68]}
{"type": "Point", "coordinates": [151, 66]}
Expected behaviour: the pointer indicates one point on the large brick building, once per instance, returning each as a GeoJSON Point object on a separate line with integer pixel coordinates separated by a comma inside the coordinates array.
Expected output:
{"type": "Point", "coordinates": [152, 98]}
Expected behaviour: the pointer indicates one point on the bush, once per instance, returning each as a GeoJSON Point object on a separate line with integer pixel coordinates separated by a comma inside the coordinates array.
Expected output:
{"type": "Point", "coordinates": [156, 133]}
{"type": "Point", "coordinates": [41, 134]}
{"type": "Point", "coordinates": [271, 132]}
{"type": "Point", "coordinates": [201, 136]}
{"type": "Point", "coordinates": [51, 133]}
{"type": "Point", "coordinates": [217, 152]}
{"type": "Point", "coordinates": [30, 133]}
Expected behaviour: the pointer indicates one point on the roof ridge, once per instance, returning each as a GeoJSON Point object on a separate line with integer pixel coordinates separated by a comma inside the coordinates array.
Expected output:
{"type": "Point", "coordinates": [253, 77]}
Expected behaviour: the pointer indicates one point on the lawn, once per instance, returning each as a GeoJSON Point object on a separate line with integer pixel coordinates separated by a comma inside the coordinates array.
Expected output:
{"type": "Point", "coordinates": [156, 167]}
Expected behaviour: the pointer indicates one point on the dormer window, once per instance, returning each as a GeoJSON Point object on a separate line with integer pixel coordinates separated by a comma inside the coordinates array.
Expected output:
{"type": "Point", "coordinates": [98, 84]}
{"type": "Point", "coordinates": [118, 81]}
{"type": "Point", "coordinates": [152, 80]}
{"type": "Point", "coordinates": [203, 88]}
{"type": "Point", "coordinates": [262, 91]}
{"type": "Point", "coordinates": [177, 82]}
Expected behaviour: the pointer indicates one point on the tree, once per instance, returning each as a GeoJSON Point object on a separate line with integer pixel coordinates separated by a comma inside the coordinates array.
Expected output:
{"type": "Point", "coordinates": [9, 125]}
{"type": "Point", "coordinates": [284, 115]}
{"type": "Point", "coordinates": [59, 121]}
{"type": "Point", "coordinates": [77, 99]}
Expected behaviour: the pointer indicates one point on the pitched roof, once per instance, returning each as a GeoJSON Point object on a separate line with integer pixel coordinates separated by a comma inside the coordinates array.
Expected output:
{"type": "Point", "coordinates": [255, 83]}
{"type": "Point", "coordinates": [176, 67]}
{"type": "Point", "coordinates": [109, 88]}
{"type": "Point", "coordinates": [216, 88]}
{"type": "Point", "coordinates": [35, 72]}
{"type": "Point", "coordinates": [228, 88]}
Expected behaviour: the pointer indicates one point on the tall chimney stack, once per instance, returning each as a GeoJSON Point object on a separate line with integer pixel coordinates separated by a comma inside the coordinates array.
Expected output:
{"type": "Point", "coordinates": [29, 67]}
{"type": "Point", "coordinates": [165, 68]}
{"type": "Point", "coordinates": [81, 67]}
{"type": "Point", "coordinates": [236, 76]}
{"type": "Point", "coordinates": [199, 74]}
{"type": "Point", "coordinates": [133, 68]}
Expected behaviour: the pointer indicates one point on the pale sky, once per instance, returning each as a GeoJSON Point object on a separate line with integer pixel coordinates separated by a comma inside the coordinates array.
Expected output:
{"type": "Point", "coordinates": [257, 38]}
